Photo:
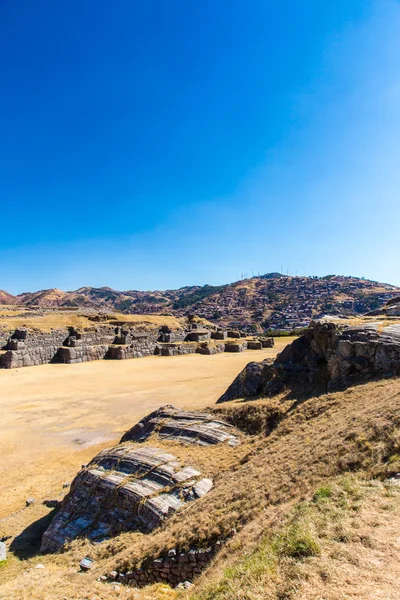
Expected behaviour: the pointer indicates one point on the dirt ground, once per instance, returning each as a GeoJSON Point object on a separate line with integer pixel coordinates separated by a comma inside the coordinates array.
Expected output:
{"type": "Point", "coordinates": [54, 418]}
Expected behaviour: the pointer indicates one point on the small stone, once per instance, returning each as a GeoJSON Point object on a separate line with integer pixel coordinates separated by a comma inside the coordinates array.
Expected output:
{"type": "Point", "coordinates": [66, 484]}
{"type": "Point", "coordinates": [51, 503]}
{"type": "Point", "coordinates": [185, 585]}
{"type": "Point", "coordinates": [232, 532]}
{"type": "Point", "coordinates": [39, 566]}
{"type": "Point", "coordinates": [3, 552]}
{"type": "Point", "coordinates": [113, 575]}
{"type": "Point", "coordinates": [30, 501]}
{"type": "Point", "coordinates": [86, 563]}
{"type": "Point", "coordinates": [172, 553]}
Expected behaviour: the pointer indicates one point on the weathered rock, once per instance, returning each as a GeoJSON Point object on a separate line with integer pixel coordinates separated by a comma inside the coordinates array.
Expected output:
{"type": "Point", "coordinates": [86, 563]}
{"type": "Point", "coordinates": [235, 346]}
{"type": "Point", "coordinates": [123, 489]}
{"type": "Point", "coordinates": [250, 382]}
{"type": "Point", "coordinates": [182, 426]}
{"type": "Point", "coordinates": [326, 357]}
{"type": "Point", "coordinates": [3, 552]}
{"type": "Point", "coordinates": [51, 503]}
{"type": "Point", "coordinates": [254, 345]}
{"type": "Point", "coordinates": [391, 309]}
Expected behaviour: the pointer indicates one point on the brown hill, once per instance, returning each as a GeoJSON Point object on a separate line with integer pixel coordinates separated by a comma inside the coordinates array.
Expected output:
{"type": "Point", "coordinates": [45, 298]}
{"type": "Point", "coordinates": [6, 298]}
{"type": "Point", "coordinates": [271, 301]}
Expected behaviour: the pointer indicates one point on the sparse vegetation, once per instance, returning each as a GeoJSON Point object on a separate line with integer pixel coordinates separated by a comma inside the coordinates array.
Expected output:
{"type": "Point", "coordinates": [196, 296]}
{"type": "Point", "coordinates": [298, 492]}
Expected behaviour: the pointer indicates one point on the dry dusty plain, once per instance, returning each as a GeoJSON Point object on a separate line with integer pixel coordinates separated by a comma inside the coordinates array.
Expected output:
{"type": "Point", "coordinates": [54, 418]}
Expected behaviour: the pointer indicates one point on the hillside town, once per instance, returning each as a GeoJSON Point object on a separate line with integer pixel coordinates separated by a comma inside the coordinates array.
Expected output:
{"type": "Point", "coordinates": [287, 303]}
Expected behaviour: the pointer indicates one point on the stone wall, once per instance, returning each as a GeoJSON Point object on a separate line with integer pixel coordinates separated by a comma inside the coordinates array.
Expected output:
{"type": "Point", "coordinates": [26, 347]}
{"type": "Point", "coordinates": [254, 345]}
{"type": "Point", "coordinates": [208, 349]}
{"type": "Point", "coordinates": [81, 354]}
{"type": "Point", "coordinates": [235, 346]}
{"type": "Point", "coordinates": [137, 349]}
{"type": "Point", "coordinates": [4, 335]}
{"type": "Point", "coordinates": [174, 568]}
{"type": "Point", "coordinates": [28, 357]}
{"type": "Point", "coordinates": [175, 349]}
{"type": "Point", "coordinates": [219, 335]}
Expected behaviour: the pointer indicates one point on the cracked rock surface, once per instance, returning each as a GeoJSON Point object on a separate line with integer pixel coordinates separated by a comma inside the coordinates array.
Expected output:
{"type": "Point", "coordinates": [124, 489]}
{"type": "Point", "coordinates": [187, 427]}
{"type": "Point", "coordinates": [326, 357]}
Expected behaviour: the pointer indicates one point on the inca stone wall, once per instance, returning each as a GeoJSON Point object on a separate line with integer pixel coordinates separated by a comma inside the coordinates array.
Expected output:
{"type": "Point", "coordinates": [207, 349]}
{"type": "Point", "coordinates": [29, 347]}
{"type": "Point", "coordinates": [175, 349]}
{"type": "Point", "coordinates": [79, 354]}
{"type": "Point", "coordinates": [28, 357]}
{"type": "Point", "coordinates": [174, 568]}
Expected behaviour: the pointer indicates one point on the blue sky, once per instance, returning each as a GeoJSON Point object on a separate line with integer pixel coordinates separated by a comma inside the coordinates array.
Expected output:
{"type": "Point", "coordinates": [159, 144]}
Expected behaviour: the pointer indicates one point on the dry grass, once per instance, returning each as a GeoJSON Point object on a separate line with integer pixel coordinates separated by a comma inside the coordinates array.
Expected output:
{"type": "Point", "coordinates": [66, 413]}
{"type": "Point", "coordinates": [46, 320]}
{"type": "Point", "coordinates": [340, 544]}
{"type": "Point", "coordinates": [257, 486]}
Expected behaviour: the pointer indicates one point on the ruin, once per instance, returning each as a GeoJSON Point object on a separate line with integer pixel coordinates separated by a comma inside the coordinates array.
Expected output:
{"type": "Point", "coordinates": [119, 341]}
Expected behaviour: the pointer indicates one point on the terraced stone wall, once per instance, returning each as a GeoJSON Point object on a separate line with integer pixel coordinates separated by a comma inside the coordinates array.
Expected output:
{"type": "Point", "coordinates": [175, 568]}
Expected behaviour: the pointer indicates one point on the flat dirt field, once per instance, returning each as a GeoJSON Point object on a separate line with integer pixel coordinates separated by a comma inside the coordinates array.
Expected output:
{"type": "Point", "coordinates": [54, 418]}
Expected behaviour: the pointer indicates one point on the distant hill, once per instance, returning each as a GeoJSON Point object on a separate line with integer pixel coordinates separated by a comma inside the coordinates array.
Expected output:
{"type": "Point", "coordinates": [6, 298]}
{"type": "Point", "coordinates": [271, 301]}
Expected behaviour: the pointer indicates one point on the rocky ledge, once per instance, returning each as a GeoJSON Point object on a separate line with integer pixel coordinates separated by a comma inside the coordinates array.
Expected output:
{"type": "Point", "coordinates": [124, 489]}
{"type": "Point", "coordinates": [182, 426]}
{"type": "Point", "coordinates": [132, 487]}
{"type": "Point", "coordinates": [326, 357]}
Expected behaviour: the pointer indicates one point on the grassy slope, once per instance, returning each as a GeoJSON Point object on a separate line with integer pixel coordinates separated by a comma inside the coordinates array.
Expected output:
{"type": "Point", "coordinates": [257, 489]}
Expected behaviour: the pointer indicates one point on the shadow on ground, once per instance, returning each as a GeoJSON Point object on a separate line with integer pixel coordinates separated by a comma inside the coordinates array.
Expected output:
{"type": "Point", "coordinates": [27, 543]}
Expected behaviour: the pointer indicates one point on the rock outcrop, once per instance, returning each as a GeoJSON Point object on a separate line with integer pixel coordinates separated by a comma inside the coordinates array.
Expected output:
{"type": "Point", "coordinates": [326, 357]}
{"type": "Point", "coordinates": [123, 489]}
{"type": "Point", "coordinates": [390, 309]}
{"type": "Point", "coordinates": [172, 423]}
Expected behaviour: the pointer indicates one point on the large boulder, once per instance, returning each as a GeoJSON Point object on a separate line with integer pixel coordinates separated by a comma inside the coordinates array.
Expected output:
{"type": "Point", "coordinates": [391, 309]}
{"type": "Point", "coordinates": [326, 357]}
{"type": "Point", "coordinates": [123, 489]}
{"type": "Point", "coordinates": [188, 427]}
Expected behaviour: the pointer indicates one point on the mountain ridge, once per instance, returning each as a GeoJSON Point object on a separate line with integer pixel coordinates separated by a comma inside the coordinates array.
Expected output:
{"type": "Point", "coordinates": [270, 301]}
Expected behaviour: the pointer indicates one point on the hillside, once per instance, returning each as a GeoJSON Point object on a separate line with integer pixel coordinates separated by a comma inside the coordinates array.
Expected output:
{"type": "Point", "coordinates": [293, 503]}
{"type": "Point", "coordinates": [271, 301]}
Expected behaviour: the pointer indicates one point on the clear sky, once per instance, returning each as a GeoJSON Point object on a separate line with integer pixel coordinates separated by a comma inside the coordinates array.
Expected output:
{"type": "Point", "coordinates": [158, 144]}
